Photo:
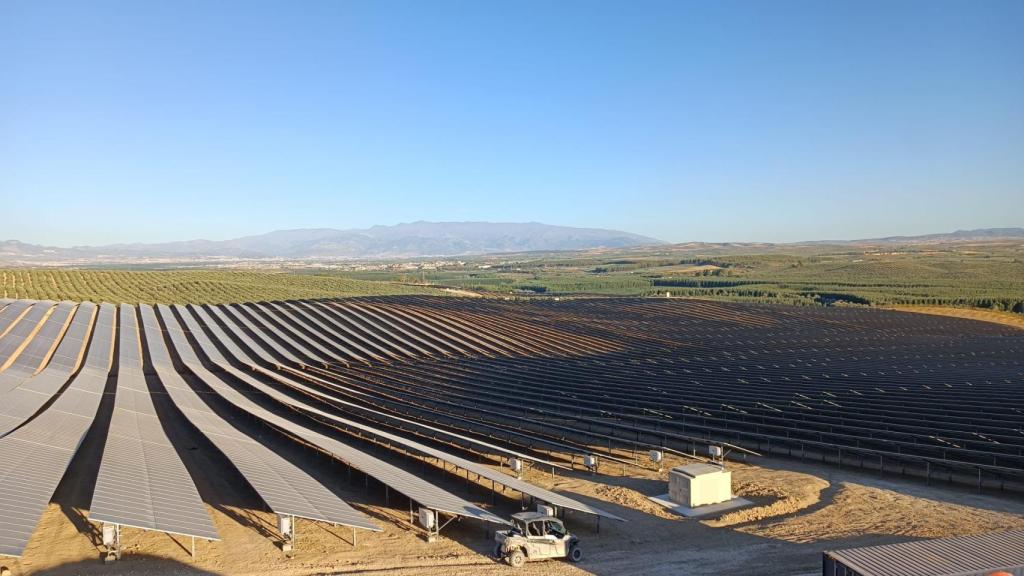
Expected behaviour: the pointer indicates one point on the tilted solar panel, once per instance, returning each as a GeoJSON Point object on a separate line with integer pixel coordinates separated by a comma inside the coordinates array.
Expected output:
{"type": "Point", "coordinates": [484, 471]}
{"type": "Point", "coordinates": [38, 350]}
{"type": "Point", "coordinates": [259, 316]}
{"type": "Point", "coordinates": [142, 482]}
{"type": "Point", "coordinates": [414, 487]}
{"type": "Point", "coordinates": [226, 313]}
{"type": "Point", "coordinates": [373, 343]}
{"type": "Point", "coordinates": [355, 350]}
{"type": "Point", "coordinates": [20, 335]}
{"type": "Point", "coordinates": [352, 316]}
{"type": "Point", "coordinates": [19, 404]}
{"type": "Point", "coordinates": [193, 315]}
{"type": "Point", "coordinates": [283, 486]}
{"type": "Point", "coordinates": [281, 325]}
{"type": "Point", "coordinates": [36, 455]}
{"type": "Point", "coordinates": [11, 313]}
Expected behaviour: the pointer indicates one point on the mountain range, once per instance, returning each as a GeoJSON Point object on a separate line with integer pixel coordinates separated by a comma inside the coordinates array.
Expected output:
{"type": "Point", "coordinates": [980, 234]}
{"type": "Point", "coordinates": [414, 240]}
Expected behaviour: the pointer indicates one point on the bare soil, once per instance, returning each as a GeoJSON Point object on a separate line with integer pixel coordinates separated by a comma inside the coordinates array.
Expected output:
{"type": "Point", "coordinates": [800, 510]}
{"type": "Point", "coordinates": [995, 316]}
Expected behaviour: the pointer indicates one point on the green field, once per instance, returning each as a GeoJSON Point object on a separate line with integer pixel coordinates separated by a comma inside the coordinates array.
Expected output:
{"type": "Point", "coordinates": [187, 286]}
{"type": "Point", "coordinates": [986, 275]}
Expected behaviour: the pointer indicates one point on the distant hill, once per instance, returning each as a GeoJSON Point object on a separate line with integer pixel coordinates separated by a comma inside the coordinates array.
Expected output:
{"type": "Point", "coordinates": [958, 236]}
{"type": "Point", "coordinates": [434, 240]}
{"type": "Point", "coordinates": [413, 240]}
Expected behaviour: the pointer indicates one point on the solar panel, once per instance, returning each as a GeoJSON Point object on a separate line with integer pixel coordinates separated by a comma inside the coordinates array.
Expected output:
{"type": "Point", "coordinates": [341, 341]}
{"type": "Point", "coordinates": [412, 331]}
{"type": "Point", "coordinates": [190, 316]}
{"type": "Point", "coordinates": [225, 313]}
{"type": "Point", "coordinates": [142, 482]}
{"type": "Point", "coordinates": [39, 349]}
{"type": "Point", "coordinates": [259, 315]}
{"type": "Point", "coordinates": [208, 319]}
{"type": "Point", "coordinates": [277, 317]}
{"type": "Point", "coordinates": [19, 336]}
{"type": "Point", "coordinates": [976, 554]}
{"type": "Point", "coordinates": [36, 455]}
{"type": "Point", "coordinates": [284, 487]}
{"type": "Point", "coordinates": [11, 313]}
{"type": "Point", "coordinates": [409, 484]}
{"type": "Point", "coordinates": [425, 324]}
{"type": "Point", "coordinates": [393, 337]}
{"type": "Point", "coordinates": [38, 352]}
{"type": "Point", "coordinates": [484, 471]}
{"type": "Point", "coordinates": [359, 330]}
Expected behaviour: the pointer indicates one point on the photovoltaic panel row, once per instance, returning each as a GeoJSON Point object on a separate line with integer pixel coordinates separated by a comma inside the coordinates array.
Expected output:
{"type": "Point", "coordinates": [257, 333]}
{"type": "Point", "coordinates": [19, 404]}
{"type": "Point", "coordinates": [863, 382]}
{"type": "Point", "coordinates": [355, 334]}
{"type": "Point", "coordinates": [283, 486]}
{"type": "Point", "coordinates": [142, 482]}
{"type": "Point", "coordinates": [417, 489]}
{"type": "Point", "coordinates": [194, 315]}
{"type": "Point", "coordinates": [281, 326]}
{"type": "Point", "coordinates": [258, 313]}
{"type": "Point", "coordinates": [388, 328]}
{"type": "Point", "coordinates": [479, 469]}
{"type": "Point", "coordinates": [32, 357]}
{"type": "Point", "coordinates": [416, 329]}
{"type": "Point", "coordinates": [18, 337]}
{"type": "Point", "coordinates": [352, 349]}
{"type": "Point", "coordinates": [12, 313]}
{"type": "Point", "coordinates": [388, 337]}
{"type": "Point", "coordinates": [37, 455]}
{"type": "Point", "coordinates": [484, 471]}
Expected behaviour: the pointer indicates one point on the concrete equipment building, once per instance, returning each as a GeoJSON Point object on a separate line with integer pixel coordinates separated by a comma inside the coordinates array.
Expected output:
{"type": "Point", "coordinates": [699, 484]}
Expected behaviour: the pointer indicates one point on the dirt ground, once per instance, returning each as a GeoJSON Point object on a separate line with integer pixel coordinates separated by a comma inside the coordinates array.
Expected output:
{"type": "Point", "coordinates": [799, 510]}
{"type": "Point", "coordinates": [995, 316]}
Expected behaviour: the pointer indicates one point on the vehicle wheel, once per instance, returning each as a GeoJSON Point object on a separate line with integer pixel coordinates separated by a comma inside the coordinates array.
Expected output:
{"type": "Point", "coordinates": [575, 553]}
{"type": "Point", "coordinates": [516, 558]}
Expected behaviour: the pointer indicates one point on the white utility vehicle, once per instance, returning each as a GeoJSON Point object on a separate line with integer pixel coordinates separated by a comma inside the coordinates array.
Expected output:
{"type": "Point", "coordinates": [535, 536]}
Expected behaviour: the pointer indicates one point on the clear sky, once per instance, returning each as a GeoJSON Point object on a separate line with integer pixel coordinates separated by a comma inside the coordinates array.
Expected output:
{"type": "Point", "coordinates": [706, 120]}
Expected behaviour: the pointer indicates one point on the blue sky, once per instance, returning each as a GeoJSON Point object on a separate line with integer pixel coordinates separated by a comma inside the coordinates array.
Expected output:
{"type": "Point", "coordinates": [709, 120]}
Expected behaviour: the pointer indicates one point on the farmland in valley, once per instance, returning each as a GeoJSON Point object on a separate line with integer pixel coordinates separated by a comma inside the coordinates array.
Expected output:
{"type": "Point", "coordinates": [187, 286]}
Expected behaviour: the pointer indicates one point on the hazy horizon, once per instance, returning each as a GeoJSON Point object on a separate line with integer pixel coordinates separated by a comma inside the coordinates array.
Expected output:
{"type": "Point", "coordinates": [202, 239]}
{"type": "Point", "coordinates": [776, 122]}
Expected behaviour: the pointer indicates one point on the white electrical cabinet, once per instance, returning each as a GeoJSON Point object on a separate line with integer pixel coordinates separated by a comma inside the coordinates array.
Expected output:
{"type": "Point", "coordinates": [696, 485]}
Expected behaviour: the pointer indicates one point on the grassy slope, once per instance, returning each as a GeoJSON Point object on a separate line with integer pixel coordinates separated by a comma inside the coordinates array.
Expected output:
{"type": "Point", "coordinates": [187, 286]}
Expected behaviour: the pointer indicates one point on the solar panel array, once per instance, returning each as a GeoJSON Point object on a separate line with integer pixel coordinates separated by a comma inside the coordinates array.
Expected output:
{"type": "Point", "coordinates": [142, 481]}
{"type": "Point", "coordinates": [484, 471]}
{"type": "Point", "coordinates": [36, 351]}
{"type": "Point", "coordinates": [37, 454]}
{"type": "Point", "coordinates": [402, 481]}
{"type": "Point", "coordinates": [282, 485]}
{"type": "Point", "coordinates": [24, 395]}
{"type": "Point", "coordinates": [459, 382]}
{"type": "Point", "coordinates": [11, 313]}
{"type": "Point", "coordinates": [977, 554]}
{"type": "Point", "coordinates": [20, 335]}
{"type": "Point", "coordinates": [933, 397]}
